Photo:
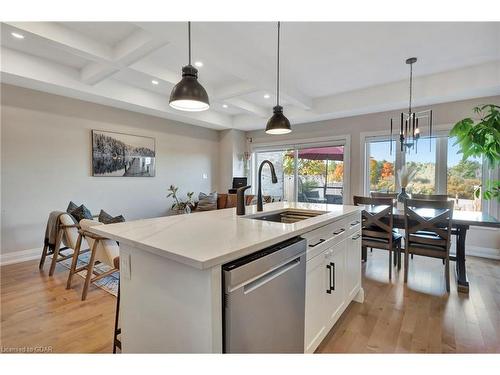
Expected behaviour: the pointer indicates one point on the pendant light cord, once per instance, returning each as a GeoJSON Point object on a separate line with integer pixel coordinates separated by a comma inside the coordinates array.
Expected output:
{"type": "Point", "coordinates": [278, 70]}
{"type": "Point", "coordinates": [189, 41]}
{"type": "Point", "coordinates": [411, 82]}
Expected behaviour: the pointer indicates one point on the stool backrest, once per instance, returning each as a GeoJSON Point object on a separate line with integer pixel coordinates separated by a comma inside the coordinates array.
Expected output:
{"type": "Point", "coordinates": [107, 250]}
{"type": "Point", "coordinates": [430, 197]}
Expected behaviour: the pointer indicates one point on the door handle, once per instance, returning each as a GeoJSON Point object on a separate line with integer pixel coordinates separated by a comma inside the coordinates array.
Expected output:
{"type": "Point", "coordinates": [332, 282]}
{"type": "Point", "coordinates": [321, 240]}
{"type": "Point", "coordinates": [339, 231]}
{"type": "Point", "coordinates": [329, 268]}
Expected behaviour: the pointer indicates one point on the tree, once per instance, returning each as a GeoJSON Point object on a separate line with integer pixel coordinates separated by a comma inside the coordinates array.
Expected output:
{"type": "Point", "coordinates": [387, 169]}
{"type": "Point", "coordinates": [338, 173]}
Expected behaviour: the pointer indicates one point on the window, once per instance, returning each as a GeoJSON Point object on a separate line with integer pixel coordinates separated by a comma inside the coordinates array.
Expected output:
{"type": "Point", "coordinates": [463, 178]}
{"type": "Point", "coordinates": [381, 166]}
{"type": "Point", "coordinates": [423, 163]}
{"type": "Point", "coordinates": [438, 165]}
{"type": "Point", "coordinates": [305, 174]}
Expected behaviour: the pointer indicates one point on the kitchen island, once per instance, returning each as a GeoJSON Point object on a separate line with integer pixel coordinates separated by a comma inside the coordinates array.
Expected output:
{"type": "Point", "coordinates": [171, 272]}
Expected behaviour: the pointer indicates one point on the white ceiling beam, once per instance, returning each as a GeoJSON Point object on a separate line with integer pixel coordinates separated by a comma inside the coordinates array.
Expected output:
{"type": "Point", "coordinates": [40, 74]}
{"type": "Point", "coordinates": [66, 39]}
{"type": "Point", "coordinates": [248, 107]}
{"type": "Point", "coordinates": [238, 89]}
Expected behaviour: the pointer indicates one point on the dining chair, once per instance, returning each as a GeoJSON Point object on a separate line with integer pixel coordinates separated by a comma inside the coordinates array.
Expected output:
{"type": "Point", "coordinates": [103, 250]}
{"type": "Point", "coordinates": [378, 194]}
{"type": "Point", "coordinates": [428, 231]}
{"type": "Point", "coordinates": [430, 197]}
{"type": "Point", "coordinates": [377, 229]}
{"type": "Point", "coordinates": [66, 239]}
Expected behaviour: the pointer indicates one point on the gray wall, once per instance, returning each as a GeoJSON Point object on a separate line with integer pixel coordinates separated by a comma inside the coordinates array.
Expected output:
{"type": "Point", "coordinates": [444, 114]}
{"type": "Point", "coordinates": [46, 162]}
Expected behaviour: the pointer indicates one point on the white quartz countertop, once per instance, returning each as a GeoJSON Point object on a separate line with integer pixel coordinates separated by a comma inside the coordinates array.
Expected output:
{"type": "Point", "coordinates": [207, 239]}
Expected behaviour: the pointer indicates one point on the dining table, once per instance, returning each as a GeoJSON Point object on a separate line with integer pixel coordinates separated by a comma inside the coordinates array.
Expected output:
{"type": "Point", "coordinates": [461, 222]}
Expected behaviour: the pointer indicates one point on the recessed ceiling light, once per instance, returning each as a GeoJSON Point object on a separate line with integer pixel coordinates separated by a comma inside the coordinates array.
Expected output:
{"type": "Point", "coordinates": [198, 64]}
{"type": "Point", "coordinates": [267, 96]}
{"type": "Point", "coordinates": [17, 35]}
{"type": "Point", "coordinates": [224, 106]}
{"type": "Point", "coordinates": [155, 82]}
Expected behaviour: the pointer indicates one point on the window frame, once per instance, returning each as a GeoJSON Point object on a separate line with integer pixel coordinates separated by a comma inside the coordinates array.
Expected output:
{"type": "Point", "coordinates": [441, 134]}
{"type": "Point", "coordinates": [295, 146]}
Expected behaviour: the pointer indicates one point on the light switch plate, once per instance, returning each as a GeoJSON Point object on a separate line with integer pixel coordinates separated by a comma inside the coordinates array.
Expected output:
{"type": "Point", "coordinates": [125, 266]}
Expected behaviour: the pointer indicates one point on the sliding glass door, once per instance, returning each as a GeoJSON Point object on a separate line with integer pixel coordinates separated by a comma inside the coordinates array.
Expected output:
{"type": "Point", "coordinates": [305, 174]}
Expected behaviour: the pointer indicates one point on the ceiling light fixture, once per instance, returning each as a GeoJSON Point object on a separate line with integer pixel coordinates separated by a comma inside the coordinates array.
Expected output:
{"type": "Point", "coordinates": [267, 96]}
{"type": "Point", "coordinates": [189, 94]}
{"type": "Point", "coordinates": [155, 82]}
{"type": "Point", "coordinates": [224, 106]}
{"type": "Point", "coordinates": [409, 132]}
{"type": "Point", "coordinates": [278, 123]}
{"type": "Point", "coordinates": [199, 64]}
{"type": "Point", "coordinates": [17, 35]}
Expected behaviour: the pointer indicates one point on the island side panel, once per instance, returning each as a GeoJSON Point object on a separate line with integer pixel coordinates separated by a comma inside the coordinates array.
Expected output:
{"type": "Point", "coordinates": [168, 307]}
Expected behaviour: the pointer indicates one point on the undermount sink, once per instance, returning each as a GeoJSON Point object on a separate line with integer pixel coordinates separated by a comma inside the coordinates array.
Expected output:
{"type": "Point", "coordinates": [289, 216]}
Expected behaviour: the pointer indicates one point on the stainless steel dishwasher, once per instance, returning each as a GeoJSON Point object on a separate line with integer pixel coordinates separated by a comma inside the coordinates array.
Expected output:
{"type": "Point", "coordinates": [264, 300]}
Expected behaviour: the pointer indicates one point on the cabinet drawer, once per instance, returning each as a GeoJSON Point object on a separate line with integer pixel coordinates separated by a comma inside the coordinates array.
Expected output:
{"type": "Point", "coordinates": [323, 238]}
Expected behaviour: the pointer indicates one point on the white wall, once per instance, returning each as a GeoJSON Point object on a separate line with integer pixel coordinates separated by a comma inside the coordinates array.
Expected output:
{"type": "Point", "coordinates": [46, 162]}
{"type": "Point", "coordinates": [232, 146]}
{"type": "Point", "coordinates": [447, 113]}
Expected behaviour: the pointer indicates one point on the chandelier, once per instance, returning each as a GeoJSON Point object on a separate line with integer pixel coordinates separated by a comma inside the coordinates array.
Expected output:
{"type": "Point", "coordinates": [409, 132]}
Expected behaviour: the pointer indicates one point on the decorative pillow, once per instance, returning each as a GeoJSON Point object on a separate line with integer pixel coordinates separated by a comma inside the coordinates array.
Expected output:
{"type": "Point", "coordinates": [71, 207]}
{"type": "Point", "coordinates": [80, 213]}
{"type": "Point", "coordinates": [207, 202]}
{"type": "Point", "coordinates": [106, 218]}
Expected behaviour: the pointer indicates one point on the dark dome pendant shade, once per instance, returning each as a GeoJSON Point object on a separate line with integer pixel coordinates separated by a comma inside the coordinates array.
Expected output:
{"type": "Point", "coordinates": [278, 123]}
{"type": "Point", "coordinates": [189, 94]}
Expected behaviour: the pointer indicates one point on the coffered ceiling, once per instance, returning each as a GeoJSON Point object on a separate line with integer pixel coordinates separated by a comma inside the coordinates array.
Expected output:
{"type": "Point", "coordinates": [328, 70]}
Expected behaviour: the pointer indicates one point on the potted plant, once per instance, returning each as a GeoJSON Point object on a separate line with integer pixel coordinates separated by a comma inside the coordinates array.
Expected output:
{"type": "Point", "coordinates": [481, 139]}
{"type": "Point", "coordinates": [180, 206]}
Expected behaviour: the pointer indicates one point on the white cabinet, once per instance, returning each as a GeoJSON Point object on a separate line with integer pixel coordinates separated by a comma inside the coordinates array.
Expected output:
{"type": "Point", "coordinates": [353, 265]}
{"type": "Point", "coordinates": [316, 292]}
{"type": "Point", "coordinates": [335, 298]}
{"type": "Point", "coordinates": [333, 278]}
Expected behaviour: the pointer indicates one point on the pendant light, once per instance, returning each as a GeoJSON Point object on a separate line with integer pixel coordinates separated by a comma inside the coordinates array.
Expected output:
{"type": "Point", "coordinates": [278, 123]}
{"type": "Point", "coordinates": [189, 94]}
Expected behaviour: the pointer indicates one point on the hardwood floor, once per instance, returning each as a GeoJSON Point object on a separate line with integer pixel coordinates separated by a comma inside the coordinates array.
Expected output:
{"type": "Point", "coordinates": [37, 311]}
{"type": "Point", "coordinates": [420, 317]}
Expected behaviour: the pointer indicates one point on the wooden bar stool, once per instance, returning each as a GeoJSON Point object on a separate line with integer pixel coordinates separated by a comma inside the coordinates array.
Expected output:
{"type": "Point", "coordinates": [103, 250]}
{"type": "Point", "coordinates": [66, 238]}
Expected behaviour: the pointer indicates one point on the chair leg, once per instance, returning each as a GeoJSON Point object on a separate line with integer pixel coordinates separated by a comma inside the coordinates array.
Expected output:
{"type": "Point", "coordinates": [56, 251]}
{"type": "Point", "coordinates": [399, 257]}
{"type": "Point", "coordinates": [76, 254]}
{"type": "Point", "coordinates": [447, 274]}
{"type": "Point", "coordinates": [44, 255]}
{"type": "Point", "coordinates": [363, 253]}
{"type": "Point", "coordinates": [412, 256]}
{"type": "Point", "coordinates": [90, 270]}
{"type": "Point", "coordinates": [116, 342]}
{"type": "Point", "coordinates": [406, 264]}
{"type": "Point", "coordinates": [390, 263]}
{"type": "Point", "coordinates": [395, 257]}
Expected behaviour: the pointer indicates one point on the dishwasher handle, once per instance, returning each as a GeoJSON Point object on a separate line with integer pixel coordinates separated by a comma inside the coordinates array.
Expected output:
{"type": "Point", "coordinates": [267, 277]}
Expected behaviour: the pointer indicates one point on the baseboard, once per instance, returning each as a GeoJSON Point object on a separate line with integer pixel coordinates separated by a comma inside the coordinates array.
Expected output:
{"type": "Point", "coordinates": [19, 256]}
{"type": "Point", "coordinates": [482, 252]}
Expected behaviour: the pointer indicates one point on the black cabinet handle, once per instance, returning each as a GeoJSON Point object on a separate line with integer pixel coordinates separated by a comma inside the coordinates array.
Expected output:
{"type": "Point", "coordinates": [356, 237]}
{"type": "Point", "coordinates": [332, 278]}
{"type": "Point", "coordinates": [354, 223]}
{"type": "Point", "coordinates": [317, 243]}
{"type": "Point", "coordinates": [329, 268]}
{"type": "Point", "coordinates": [338, 232]}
